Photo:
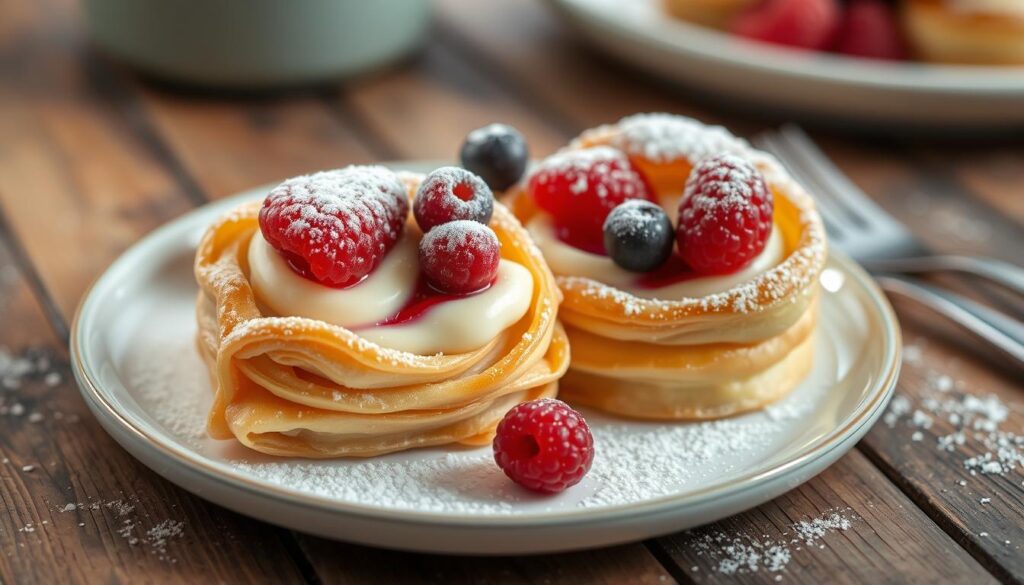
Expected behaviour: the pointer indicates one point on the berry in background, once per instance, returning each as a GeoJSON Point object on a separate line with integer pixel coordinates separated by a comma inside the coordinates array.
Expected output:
{"type": "Point", "coordinates": [871, 29]}
{"type": "Point", "coordinates": [808, 24]}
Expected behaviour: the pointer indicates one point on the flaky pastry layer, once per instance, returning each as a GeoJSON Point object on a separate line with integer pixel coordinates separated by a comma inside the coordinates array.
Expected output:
{"type": "Point", "coordinates": [300, 387]}
{"type": "Point", "coordinates": [702, 357]}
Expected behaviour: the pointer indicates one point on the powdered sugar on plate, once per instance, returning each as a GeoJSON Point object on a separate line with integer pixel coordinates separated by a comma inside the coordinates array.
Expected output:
{"type": "Point", "coordinates": [152, 327]}
{"type": "Point", "coordinates": [635, 461]}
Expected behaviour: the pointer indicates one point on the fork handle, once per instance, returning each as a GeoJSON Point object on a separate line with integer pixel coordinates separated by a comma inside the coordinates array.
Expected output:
{"type": "Point", "coordinates": [1000, 330]}
{"type": "Point", "coordinates": [997, 271]}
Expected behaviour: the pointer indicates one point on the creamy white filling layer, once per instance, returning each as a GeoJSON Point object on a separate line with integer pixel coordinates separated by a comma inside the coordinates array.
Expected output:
{"type": "Point", "coordinates": [566, 260]}
{"type": "Point", "coordinates": [454, 326]}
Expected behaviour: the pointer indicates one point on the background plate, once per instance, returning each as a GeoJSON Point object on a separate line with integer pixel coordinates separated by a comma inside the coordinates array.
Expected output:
{"type": "Point", "coordinates": [804, 82]}
{"type": "Point", "coordinates": [134, 359]}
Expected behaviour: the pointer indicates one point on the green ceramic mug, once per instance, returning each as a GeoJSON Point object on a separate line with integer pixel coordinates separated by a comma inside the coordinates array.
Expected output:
{"type": "Point", "coordinates": [257, 43]}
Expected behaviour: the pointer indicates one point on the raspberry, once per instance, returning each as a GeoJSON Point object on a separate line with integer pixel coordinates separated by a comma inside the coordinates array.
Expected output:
{"type": "Point", "coordinates": [579, 188]}
{"type": "Point", "coordinates": [460, 257]}
{"type": "Point", "coordinates": [725, 216]}
{"type": "Point", "coordinates": [871, 29]}
{"type": "Point", "coordinates": [451, 193]}
{"type": "Point", "coordinates": [544, 445]}
{"type": "Point", "coordinates": [808, 24]}
{"type": "Point", "coordinates": [336, 226]}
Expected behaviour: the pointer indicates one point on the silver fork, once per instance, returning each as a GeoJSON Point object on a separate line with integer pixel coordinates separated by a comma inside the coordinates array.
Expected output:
{"type": "Point", "coordinates": [862, 229]}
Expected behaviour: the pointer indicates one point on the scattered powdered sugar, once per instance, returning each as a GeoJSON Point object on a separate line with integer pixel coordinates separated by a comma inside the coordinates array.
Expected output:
{"type": "Point", "coordinates": [740, 553]}
{"type": "Point", "coordinates": [977, 421]}
{"type": "Point", "coordinates": [664, 138]}
{"type": "Point", "coordinates": [132, 527]}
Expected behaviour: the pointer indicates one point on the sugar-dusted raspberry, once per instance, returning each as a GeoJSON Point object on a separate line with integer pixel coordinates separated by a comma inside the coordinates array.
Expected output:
{"type": "Point", "coordinates": [871, 29]}
{"type": "Point", "coordinates": [544, 445]}
{"type": "Point", "coordinates": [336, 226]}
{"type": "Point", "coordinates": [725, 216]}
{"type": "Point", "coordinates": [579, 188]}
{"type": "Point", "coordinates": [460, 257]}
{"type": "Point", "coordinates": [449, 194]}
{"type": "Point", "coordinates": [808, 24]}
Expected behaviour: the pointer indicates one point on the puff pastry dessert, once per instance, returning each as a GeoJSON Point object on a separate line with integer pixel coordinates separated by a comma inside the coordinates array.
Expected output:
{"type": "Point", "coordinates": [966, 31]}
{"type": "Point", "coordinates": [717, 324]}
{"type": "Point", "coordinates": [333, 327]}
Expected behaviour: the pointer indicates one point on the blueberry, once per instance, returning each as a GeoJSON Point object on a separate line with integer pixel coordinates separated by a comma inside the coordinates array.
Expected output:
{"type": "Point", "coordinates": [497, 153]}
{"type": "Point", "coordinates": [638, 235]}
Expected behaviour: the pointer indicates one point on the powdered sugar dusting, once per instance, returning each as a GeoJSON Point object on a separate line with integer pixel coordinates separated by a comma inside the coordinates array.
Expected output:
{"type": "Point", "coordinates": [577, 167]}
{"type": "Point", "coordinates": [741, 553]}
{"type": "Point", "coordinates": [969, 426]}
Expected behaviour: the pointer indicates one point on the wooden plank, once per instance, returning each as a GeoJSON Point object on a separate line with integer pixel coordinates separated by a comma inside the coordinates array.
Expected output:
{"type": "Point", "coordinates": [231, 145]}
{"type": "Point", "coordinates": [425, 111]}
{"type": "Point", "coordinates": [343, 564]}
{"type": "Point", "coordinates": [77, 183]}
{"type": "Point", "coordinates": [991, 173]}
{"type": "Point", "coordinates": [80, 180]}
{"type": "Point", "coordinates": [78, 509]}
{"type": "Point", "coordinates": [867, 532]}
{"type": "Point", "coordinates": [944, 389]}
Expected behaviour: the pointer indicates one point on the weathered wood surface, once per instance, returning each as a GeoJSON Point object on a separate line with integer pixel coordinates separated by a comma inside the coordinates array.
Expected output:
{"type": "Point", "coordinates": [92, 157]}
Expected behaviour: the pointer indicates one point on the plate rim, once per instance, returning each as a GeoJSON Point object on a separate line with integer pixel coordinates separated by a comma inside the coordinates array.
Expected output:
{"type": "Point", "coordinates": [92, 392]}
{"type": "Point", "coordinates": [711, 45]}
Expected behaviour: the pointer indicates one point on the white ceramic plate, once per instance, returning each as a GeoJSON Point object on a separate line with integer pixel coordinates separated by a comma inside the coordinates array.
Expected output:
{"type": "Point", "coordinates": [135, 361]}
{"type": "Point", "coordinates": [814, 84]}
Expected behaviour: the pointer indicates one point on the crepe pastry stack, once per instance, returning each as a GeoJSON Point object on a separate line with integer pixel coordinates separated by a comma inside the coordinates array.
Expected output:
{"type": "Point", "coordinates": [711, 354]}
{"type": "Point", "coordinates": [297, 386]}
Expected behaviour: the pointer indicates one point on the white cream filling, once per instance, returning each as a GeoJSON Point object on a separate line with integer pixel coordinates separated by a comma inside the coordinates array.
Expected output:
{"type": "Point", "coordinates": [566, 260]}
{"type": "Point", "coordinates": [454, 326]}
{"type": "Point", "coordinates": [381, 294]}
{"type": "Point", "coordinates": [465, 324]}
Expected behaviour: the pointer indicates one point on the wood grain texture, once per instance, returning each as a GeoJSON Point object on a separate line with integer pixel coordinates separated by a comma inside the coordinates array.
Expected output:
{"type": "Point", "coordinates": [350, 564]}
{"type": "Point", "coordinates": [425, 111]}
{"type": "Point", "coordinates": [77, 509]}
{"type": "Point", "coordinates": [889, 540]}
{"type": "Point", "coordinates": [984, 512]}
{"type": "Point", "coordinates": [228, 145]}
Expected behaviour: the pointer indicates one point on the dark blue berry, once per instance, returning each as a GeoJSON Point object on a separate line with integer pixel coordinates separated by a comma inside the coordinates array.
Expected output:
{"type": "Point", "coordinates": [497, 153]}
{"type": "Point", "coordinates": [638, 235]}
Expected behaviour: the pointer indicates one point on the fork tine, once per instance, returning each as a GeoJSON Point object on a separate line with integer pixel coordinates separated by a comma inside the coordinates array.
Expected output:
{"type": "Point", "coordinates": [835, 223]}
{"type": "Point", "coordinates": [833, 180]}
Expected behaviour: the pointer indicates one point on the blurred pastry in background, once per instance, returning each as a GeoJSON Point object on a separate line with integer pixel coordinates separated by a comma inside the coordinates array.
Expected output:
{"type": "Point", "coordinates": [714, 13]}
{"type": "Point", "coordinates": [983, 32]}
{"type": "Point", "coordinates": [987, 32]}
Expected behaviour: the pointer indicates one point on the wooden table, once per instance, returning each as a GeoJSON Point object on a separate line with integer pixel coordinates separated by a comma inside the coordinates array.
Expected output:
{"type": "Point", "coordinates": [92, 158]}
